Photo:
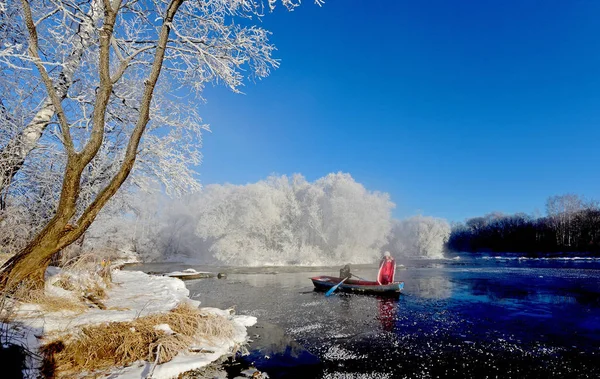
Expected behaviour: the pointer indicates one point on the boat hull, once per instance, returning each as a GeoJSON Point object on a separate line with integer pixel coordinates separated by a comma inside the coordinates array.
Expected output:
{"type": "Point", "coordinates": [324, 283]}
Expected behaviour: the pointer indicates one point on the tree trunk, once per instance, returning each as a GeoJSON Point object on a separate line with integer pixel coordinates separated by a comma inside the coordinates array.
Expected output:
{"type": "Point", "coordinates": [27, 268]}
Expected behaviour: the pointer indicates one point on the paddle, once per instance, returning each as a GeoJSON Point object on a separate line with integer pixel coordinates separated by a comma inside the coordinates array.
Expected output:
{"type": "Point", "coordinates": [358, 277]}
{"type": "Point", "coordinates": [334, 287]}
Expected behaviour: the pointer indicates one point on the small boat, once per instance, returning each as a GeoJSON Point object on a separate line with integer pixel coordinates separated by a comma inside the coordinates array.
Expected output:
{"type": "Point", "coordinates": [324, 283]}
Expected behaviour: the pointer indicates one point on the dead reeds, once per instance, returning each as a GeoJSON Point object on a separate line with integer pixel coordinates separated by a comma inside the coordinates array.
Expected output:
{"type": "Point", "coordinates": [11, 300]}
{"type": "Point", "coordinates": [100, 347]}
{"type": "Point", "coordinates": [50, 303]}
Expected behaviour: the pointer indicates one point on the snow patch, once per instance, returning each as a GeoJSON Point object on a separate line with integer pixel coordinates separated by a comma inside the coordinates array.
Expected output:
{"type": "Point", "coordinates": [165, 328]}
{"type": "Point", "coordinates": [311, 304]}
{"type": "Point", "coordinates": [132, 294]}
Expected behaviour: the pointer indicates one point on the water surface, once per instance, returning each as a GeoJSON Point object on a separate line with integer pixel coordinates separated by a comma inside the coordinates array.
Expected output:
{"type": "Point", "coordinates": [474, 318]}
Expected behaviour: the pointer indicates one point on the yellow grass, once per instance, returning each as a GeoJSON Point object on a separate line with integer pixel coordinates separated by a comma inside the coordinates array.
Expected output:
{"type": "Point", "coordinates": [10, 300]}
{"type": "Point", "coordinates": [100, 347]}
{"type": "Point", "coordinates": [51, 303]}
{"type": "Point", "coordinates": [4, 257]}
{"type": "Point", "coordinates": [92, 282]}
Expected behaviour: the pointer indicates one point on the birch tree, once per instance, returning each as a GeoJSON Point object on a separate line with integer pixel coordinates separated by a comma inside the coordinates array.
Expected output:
{"type": "Point", "coordinates": [97, 87]}
{"type": "Point", "coordinates": [561, 210]}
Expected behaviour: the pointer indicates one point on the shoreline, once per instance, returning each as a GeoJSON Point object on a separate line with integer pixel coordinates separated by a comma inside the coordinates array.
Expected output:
{"type": "Point", "coordinates": [130, 296]}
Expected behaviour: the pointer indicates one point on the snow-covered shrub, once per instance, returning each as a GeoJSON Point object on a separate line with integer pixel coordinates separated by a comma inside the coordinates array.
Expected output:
{"type": "Point", "coordinates": [419, 236]}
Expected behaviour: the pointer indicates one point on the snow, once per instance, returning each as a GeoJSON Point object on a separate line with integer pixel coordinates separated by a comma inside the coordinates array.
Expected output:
{"type": "Point", "coordinates": [191, 361]}
{"type": "Point", "coordinates": [246, 320]}
{"type": "Point", "coordinates": [361, 375]}
{"type": "Point", "coordinates": [306, 328]}
{"type": "Point", "coordinates": [132, 294]}
{"type": "Point", "coordinates": [166, 328]}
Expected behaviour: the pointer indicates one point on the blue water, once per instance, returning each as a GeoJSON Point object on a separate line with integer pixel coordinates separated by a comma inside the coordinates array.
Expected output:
{"type": "Point", "coordinates": [467, 318]}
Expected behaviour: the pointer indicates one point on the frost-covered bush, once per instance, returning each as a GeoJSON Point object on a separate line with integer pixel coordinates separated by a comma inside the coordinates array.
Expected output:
{"type": "Point", "coordinates": [287, 220]}
{"type": "Point", "coordinates": [278, 221]}
{"type": "Point", "coordinates": [281, 220]}
{"type": "Point", "coordinates": [419, 236]}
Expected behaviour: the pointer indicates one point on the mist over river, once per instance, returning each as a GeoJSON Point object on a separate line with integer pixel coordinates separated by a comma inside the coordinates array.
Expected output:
{"type": "Point", "coordinates": [474, 317]}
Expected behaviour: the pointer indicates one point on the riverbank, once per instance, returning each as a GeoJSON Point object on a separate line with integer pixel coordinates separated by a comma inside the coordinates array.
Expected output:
{"type": "Point", "coordinates": [123, 311]}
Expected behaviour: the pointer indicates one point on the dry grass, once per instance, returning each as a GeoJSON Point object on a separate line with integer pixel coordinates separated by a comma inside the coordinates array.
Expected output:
{"type": "Point", "coordinates": [88, 288]}
{"type": "Point", "coordinates": [89, 263]}
{"type": "Point", "coordinates": [88, 276]}
{"type": "Point", "coordinates": [12, 298]}
{"type": "Point", "coordinates": [81, 262]}
{"type": "Point", "coordinates": [96, 290]}
{"type": "Point", "coordinates": [8, 304]}
{"type": "Point", "coordinates": [100, 347]}
{"type": "Point", "coordinates": [51, 303]}
{"type": "Point", "coordinates": [4, 257]}
{"type": "Point", "coordinates": [65, 283]}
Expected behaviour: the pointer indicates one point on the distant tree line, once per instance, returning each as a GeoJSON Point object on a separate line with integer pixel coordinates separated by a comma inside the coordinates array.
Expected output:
{"type": "Point", "coordinates": [571, 225]}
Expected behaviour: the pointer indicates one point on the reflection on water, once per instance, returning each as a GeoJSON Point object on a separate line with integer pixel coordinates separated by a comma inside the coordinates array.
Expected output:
{"type": "Point", "coordinates": [455, 319]}
{"type": "Point", "coordinates": [387, 312]}
{"type": "Point", "coordinates": [272, 350]}
{"type": "Point", "coordinates": [281, 280]}
{"type": "Point", "coordinates": [434, 287]}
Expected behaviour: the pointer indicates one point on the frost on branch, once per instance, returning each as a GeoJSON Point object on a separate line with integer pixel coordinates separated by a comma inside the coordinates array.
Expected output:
{"type": "Point", "coordinates": [206, 45]}
{"type": "Point", "coordinates": [419, 236]}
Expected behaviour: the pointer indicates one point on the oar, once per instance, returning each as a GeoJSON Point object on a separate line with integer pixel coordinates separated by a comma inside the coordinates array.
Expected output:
{"type": "Point", "coordinates": [358, 277]}
{"type": "Point", "coordinates": [335, 287]}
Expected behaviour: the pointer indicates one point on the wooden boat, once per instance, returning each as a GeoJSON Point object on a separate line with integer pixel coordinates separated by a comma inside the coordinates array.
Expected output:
{"type": "Point", "coordinates": [324, 283]}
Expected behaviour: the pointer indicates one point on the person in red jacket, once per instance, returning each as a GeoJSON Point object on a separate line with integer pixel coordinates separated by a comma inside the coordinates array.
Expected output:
{"type": "Point", "coordinates": [387, 269]}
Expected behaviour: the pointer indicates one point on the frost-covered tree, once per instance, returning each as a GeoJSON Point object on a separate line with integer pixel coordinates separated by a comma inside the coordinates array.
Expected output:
{"type": "Point", "coordinates": [128, 221]}
{"type": "Point", "coordinates": [419, 236]}
{"type": "Point", "coordinates": [279, 221]}
{"type": "Point", "coordinates": [562, 210]}
{"type": "Point", "coordinates": [91, 70]}
{"type": "Point", "coordinates": [289, 221]}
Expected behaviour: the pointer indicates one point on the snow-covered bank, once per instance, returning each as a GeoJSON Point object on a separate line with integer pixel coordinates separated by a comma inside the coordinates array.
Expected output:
{"type": "Point", "coordinates": [131, 295]}
{"type": "Point", "coordinates": [187, 361]}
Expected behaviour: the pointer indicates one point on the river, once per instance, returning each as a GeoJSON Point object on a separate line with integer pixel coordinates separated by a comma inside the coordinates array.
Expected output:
{"type": "Point", "coordinates": [468, 318]}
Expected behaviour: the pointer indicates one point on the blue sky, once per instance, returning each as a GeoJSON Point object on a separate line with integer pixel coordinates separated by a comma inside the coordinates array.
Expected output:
{"type": "Point", "coordinates": [455, 108]}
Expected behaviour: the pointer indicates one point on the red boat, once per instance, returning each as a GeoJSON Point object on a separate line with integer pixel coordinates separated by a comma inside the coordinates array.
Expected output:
{"type": "Point", "coordinates": [324, 283]}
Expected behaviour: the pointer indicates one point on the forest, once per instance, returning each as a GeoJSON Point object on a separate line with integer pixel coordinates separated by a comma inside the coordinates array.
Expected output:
{"type": "Point", "coordinates": [571, 225]}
